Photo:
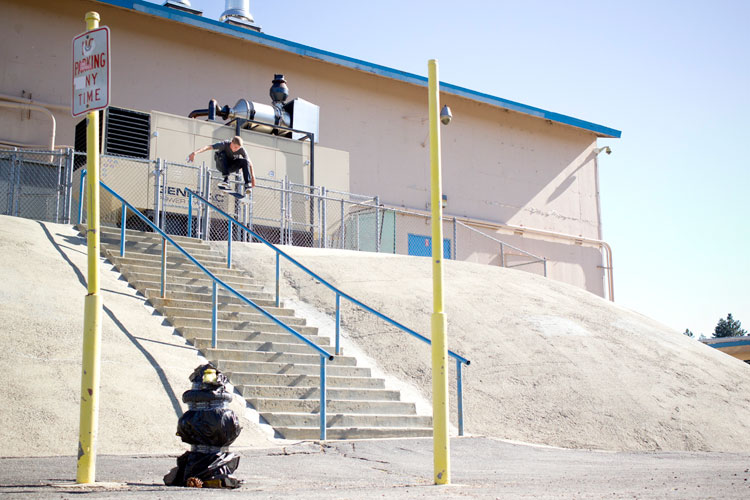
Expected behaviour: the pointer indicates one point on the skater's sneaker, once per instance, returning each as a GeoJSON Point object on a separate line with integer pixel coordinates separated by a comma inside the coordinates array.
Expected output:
{"type": "Point", "coordinates": [225, 185]}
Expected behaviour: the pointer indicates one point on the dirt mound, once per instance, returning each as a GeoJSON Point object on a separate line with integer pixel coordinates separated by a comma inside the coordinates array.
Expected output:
{"type": "Point", "coordinates": [550, 363]}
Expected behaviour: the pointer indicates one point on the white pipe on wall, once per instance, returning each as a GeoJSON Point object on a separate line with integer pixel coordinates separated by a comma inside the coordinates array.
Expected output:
{"type": "Point", "coordinates": [35, 107]}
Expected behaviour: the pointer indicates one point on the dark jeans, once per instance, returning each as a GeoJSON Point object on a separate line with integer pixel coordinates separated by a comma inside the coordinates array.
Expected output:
{"type": "Point", "coordinates": [227, 166]}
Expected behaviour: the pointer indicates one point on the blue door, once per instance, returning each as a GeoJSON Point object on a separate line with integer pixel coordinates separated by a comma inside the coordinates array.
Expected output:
{"type": "Point", "coordinates": [421, 246]}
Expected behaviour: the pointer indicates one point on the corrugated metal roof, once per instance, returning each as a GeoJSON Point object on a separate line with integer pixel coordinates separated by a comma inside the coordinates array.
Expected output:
{"type": "Point", "coordinates": [350, 62]}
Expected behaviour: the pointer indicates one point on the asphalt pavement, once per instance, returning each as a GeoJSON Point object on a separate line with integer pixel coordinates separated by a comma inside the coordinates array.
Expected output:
{"type": "Point", "coordinates": [402, 468]}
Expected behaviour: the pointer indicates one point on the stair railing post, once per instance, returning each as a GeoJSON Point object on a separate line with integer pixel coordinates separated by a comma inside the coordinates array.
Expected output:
{"type": "Point", "coordinates": [68, 185]}
{"type": "Point", "coordinates": [322, 398]}
{"type": "Point", "coordinates": [123, 223]}
{"type": "Point", "coordinates": [277, 278]}
{"type": "Point", "coordinates": [282, 204]}
{"type": "Point", "coordinates": [545, 267]}
{"type": "Point", "coordinates": [338, 323]}
{"type": "Point", "coordinates": [502, 255]}
{"type": "Point", "coordinates": [213, 318]}
{"type": "Point", "coordinates": [460, 398]}
{"type": "Point", "coordinates": [229, 244]}
{"type": "Point", "coordinates": [163, 267]}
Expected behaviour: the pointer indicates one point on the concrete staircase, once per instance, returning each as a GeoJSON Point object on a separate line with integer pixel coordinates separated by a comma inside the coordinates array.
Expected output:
{"type": "Point", "coordinates": [275, 372]}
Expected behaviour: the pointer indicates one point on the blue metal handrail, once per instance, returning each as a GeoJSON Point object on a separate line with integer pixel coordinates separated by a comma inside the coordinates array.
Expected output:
{"type": "Point", "coordinates": [339, 293]}
{"type": "Point", "coordinates": [324, 355]}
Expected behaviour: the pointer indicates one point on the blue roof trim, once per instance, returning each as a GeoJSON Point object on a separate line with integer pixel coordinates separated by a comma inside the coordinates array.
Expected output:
{"type": "Point", "coordinates": [735, 343]}
{"type": "Point", "coordinates": [350, 62]}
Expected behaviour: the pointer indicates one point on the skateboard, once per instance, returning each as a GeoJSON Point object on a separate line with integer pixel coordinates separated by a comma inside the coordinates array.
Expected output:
{"type": "Point", "coordinates": [242, 198]}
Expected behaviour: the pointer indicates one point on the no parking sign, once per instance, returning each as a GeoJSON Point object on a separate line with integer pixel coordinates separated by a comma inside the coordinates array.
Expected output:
{"type": "Point", "coordinates": [91, 70]}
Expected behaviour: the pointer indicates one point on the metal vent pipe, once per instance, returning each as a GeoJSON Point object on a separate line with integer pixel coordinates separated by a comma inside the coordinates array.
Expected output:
{"type": "Point", "coordinates": [237, 10]}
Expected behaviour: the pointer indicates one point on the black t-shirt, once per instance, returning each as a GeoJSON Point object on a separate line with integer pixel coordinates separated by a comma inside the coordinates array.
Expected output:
{"type": "Point", "coordinates": [223, 146]}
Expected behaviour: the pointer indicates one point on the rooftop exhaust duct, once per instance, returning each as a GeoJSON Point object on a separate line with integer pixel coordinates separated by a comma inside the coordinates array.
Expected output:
{"type": "Point", "coordinates": [237, 12]}
{"type": "Point", "coordinates": [183, 5]}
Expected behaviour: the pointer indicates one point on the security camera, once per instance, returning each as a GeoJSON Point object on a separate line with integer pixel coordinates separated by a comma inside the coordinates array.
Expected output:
{"type": "Point", "coordinates": [606, 149]}
{"type": "Point", "coordinates": [445, 115]}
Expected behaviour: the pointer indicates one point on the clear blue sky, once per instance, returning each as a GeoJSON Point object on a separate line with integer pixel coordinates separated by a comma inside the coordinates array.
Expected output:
{"type": "Point", "coordinates": [674, 76]}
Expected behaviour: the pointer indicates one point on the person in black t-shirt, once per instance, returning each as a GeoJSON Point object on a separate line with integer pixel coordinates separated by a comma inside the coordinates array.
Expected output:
{"type": "Point", "coordinates": [230, 157]}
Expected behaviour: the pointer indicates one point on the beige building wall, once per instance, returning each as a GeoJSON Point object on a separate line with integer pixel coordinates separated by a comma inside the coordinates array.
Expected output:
{"type": "Point", "coordinates": [499, 165]}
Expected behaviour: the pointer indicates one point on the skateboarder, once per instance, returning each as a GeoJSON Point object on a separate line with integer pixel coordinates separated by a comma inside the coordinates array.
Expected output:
{"type": "Point", "coordinates": [230, 157]}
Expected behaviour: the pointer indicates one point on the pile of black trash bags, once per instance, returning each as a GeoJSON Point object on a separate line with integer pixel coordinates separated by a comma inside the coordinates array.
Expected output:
{"type": "Point", "coordinates": [210, 427]}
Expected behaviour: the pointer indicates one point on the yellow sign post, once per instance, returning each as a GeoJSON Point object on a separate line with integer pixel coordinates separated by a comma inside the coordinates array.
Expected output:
{"type": "Point", "coordinates": [439, 321]}
{"type": "Point", "coordinates": [89, 417]}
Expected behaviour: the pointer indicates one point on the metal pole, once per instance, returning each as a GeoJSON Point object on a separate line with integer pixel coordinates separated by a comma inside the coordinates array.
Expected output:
{"type": "Point", "coordinates": [441, 441]}
{"type": "Point", "coordinates": [324, 221]}
{"type": "Point", "coordinates": [229, 244]}
{"type": "Point", "coordinates": [59, 189]}
{"type": "Point", "coordinates": [455, 240]}
{"type": "Point", "coordinates": [190, 215]}
{"type": "Point", "coordinates": [163, 267]}
{"type": "Point", "coordinates": [358, 232]}
{"type": "Point", "coordinates": [123, 224]}
{"type": "Point", "coordinates": [157, 193]}
{"type": "Point", "coordinates": [16, 183]}
{"type": "Point", "coordinates": [213, 317]}
{"type": "Point", "coordinates": [81, 194]}
{"type": "Point", "coordinates": [377, 224]}
{"type": "Point", "coordinates": [502, 255]}
{"type": "Point", "coordinates": [277, 279]}
{"type": "Point", "coordinates": [545, 267]}
{"type": "Point", "coordinates": [282, 203]}
{"type": "Point", "coordinates": [250, 214]}
{"type": "Point", "coordinates": [207, 209]}
{"type": "Point", "coordinates": [69, 159]}
{"type": "Point", "coordinates": [343, 233]}
{"type": "Point", "coordinates": [338, 323]}
{"type": "Point", "coordinates": [322, 398]}
{"type": "Point", "coordinates": [460, 397]}
{"type": "Point", "coordinates": [92, 323]}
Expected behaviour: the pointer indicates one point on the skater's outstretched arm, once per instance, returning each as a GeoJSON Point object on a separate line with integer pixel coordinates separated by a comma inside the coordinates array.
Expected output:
{"type": "Point", "coordinates": [191, 156]}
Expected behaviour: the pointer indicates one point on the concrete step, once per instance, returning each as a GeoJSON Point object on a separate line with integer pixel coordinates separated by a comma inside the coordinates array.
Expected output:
{"type": "Point", "coordinates": [200, 280]}
{"type": "Point", "coordinates": [154, 258]}
{"type": "Point", "coordinates": [196, 305]}
{"type": "Point", "coordinates": [263, 337]}
{"type": "Point", "coordinates": [154, 246]}
{"type": "Point", "coordinates": [245, 326]}
{"type": "Point", "coordinates": [223, 315]}
{"type": "Point", "coordinates": [290, 368]}
{"type": "Point", "coordinates": [264, 405]}
{"type": "Point", "coordinates": [257, 379]}
{"type": "Point", "coordinates": [274, 357]}
{"type": "Point", "coordinates": [353, 432]}
{"type": "Point", "coordinates": [205, 297]}
{"type": "Point", "coordinates": [312, 420]}
{"type": "Point", "coordinates": [205, 290]}
{"type": "Point", "coordinates": [182, 270]}
{"type": "Point", "coordinates": [289, 344]}
{"type": "Point", "coordinates": [314, 393]}
{"type": "Point", "coordinates": [145, 235]}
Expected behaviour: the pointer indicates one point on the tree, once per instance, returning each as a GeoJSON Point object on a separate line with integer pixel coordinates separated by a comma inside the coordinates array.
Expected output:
{"type": "Point", "coordinates": [729, 327]}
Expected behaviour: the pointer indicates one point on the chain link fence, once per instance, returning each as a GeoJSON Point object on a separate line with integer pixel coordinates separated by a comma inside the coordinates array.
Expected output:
{"type": "Point", "coordinates": [45, 185]}
{"type": "Point", "coordinates": [36, 184]}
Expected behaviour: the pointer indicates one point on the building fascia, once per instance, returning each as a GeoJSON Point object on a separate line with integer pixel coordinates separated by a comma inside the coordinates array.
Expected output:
{"type": "Point", "coordinates": [352, 63]}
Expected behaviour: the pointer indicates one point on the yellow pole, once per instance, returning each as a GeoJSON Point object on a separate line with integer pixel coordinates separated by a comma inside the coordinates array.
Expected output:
{"type": "Point", "coordinates": [440, 438]}
{"type": "Point", "coordinates": [92, 321]}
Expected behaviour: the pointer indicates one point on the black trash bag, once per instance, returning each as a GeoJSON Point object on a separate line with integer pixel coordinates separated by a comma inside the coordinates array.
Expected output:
{"type": "Point", "coordinates": [212, 470]}
{"type": "Point", "coordinates": [209, 427]}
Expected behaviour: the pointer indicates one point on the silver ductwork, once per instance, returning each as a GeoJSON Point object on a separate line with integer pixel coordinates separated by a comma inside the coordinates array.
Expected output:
{"type": "Point", "coordinates": [238, 12]}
